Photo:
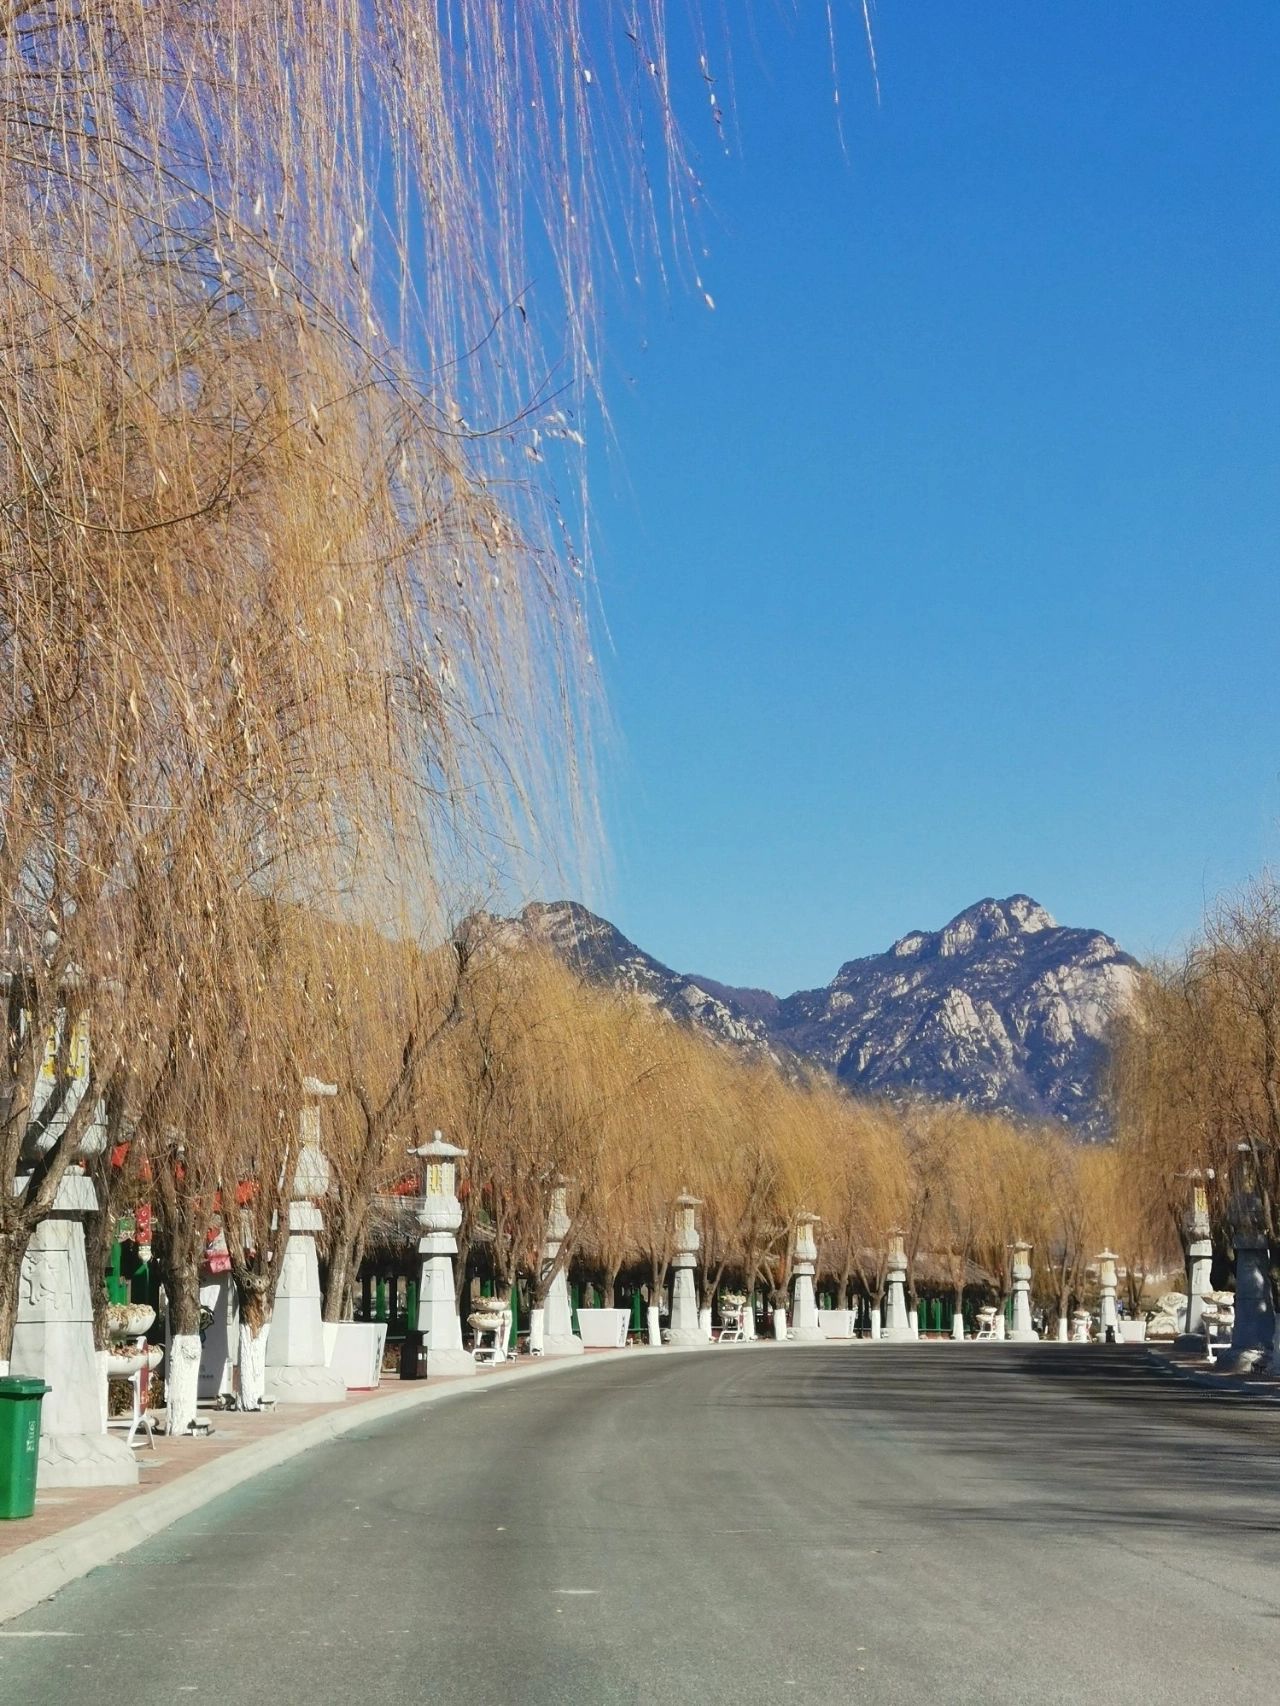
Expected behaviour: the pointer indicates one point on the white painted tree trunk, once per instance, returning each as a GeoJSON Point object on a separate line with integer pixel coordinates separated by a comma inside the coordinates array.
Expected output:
{"type": "Point", "coordinates": [537, 1331]}
{"type": "Point", "coordinates": [1000, 1325]}
{"type": "Point", "coordinates": [1064, 1330]}
{"type": "Point", "coordinates": [655, 1324]}
{"type": "Point", "coordinates": [251, 1365]}
{"type": "Point", "coordinates": [704, 1322]}
{"type": "Point", "coordinates": [779, 1323]}
{"type": "Point", "coordinates": [749, 1321]}
{"type": "Point", "coordinates": [875, 1320]}
{"type": "Point", "coordinates": [4, 1368]}
{"type": "Point", "coordinates": [957, 1326]}
{"type": "Point", "coordinates": [182, 1379]}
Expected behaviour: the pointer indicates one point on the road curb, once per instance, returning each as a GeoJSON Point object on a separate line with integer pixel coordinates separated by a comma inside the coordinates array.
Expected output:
{"type": "Point", "coordinates": [34, 1573]}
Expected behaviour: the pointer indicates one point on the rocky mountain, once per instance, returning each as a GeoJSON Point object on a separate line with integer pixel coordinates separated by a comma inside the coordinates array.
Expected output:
{"type": "Point", "coordinates": [603, 954]}
{"type": "Point", "coordinates": [1003, 1008]}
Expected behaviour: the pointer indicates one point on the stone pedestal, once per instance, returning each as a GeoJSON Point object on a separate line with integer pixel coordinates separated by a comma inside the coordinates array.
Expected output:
{"type": "Point", "coordinates": [53, 1342]}
{"type": "Point", "coordinates": [897, 1325]}
{"type": "Point", "coordinates": [804, 1307]}
{"type": "Point", "coordinates": [440, 1217]}
{"type": "Point", "coordinates": [559, 1338]}
{"type": "Point", "coordinates": [295, 1360]}
{"type": "Point", "coordinates": [1022, 1331]}
{"type": "Point", "coordinates": [1107, 1315]}
{"type": "Point", "coordinates": [686, 1328]}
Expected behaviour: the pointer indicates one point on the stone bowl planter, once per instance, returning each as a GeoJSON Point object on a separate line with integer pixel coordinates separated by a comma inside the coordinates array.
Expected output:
{"type": "Point", "coordinates": [487, 1320]}
{"type": "Point", "coordinates": [122, 1364]}
{"type": "Point", "coordinates": [129, 1320]}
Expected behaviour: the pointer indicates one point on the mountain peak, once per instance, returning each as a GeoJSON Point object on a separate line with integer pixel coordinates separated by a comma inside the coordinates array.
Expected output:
{"type": "Point", "coordinates": [989, 920]}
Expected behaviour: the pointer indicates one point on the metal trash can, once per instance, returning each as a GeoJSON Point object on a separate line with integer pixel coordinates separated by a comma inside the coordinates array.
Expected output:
{"type": "Point", "coordinates": [413, 1357]}
{"type": "Point", "coordinates": [20, 1401]}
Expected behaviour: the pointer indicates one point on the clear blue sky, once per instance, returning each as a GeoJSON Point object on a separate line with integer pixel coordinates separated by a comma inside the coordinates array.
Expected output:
{"type": "Point", "coordinates": [940, 560]}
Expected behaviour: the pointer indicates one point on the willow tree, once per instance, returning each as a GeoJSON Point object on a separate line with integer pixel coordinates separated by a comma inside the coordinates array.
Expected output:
{"type": "Point", "coordinates": [279, 619]}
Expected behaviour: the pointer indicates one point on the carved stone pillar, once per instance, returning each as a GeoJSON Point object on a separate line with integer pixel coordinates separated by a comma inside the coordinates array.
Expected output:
{"type": "Point", "coordinates": [53, 1342]}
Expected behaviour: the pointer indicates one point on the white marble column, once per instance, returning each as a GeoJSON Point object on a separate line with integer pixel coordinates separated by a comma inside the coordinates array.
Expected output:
{"type": "Point", "coordinates": [53, 1342]}
{"type": "Point", "coordinates": [896, 1327]}
{"type": "Point", "coordinates": [804, 1307]}
{"type": "Point", "coordinates": [440, 1217]}
{"type": "Point", "coordinates": [559, 1338]}
{"type": "Point", "coordinates": [1107, 1315]}
{"type": "Point", "coordinates": [295, 1360]}
{"type": "Point", "coordinates": [1022, 1331]}
{"type": "Point", "coordinates": [686, 1328]}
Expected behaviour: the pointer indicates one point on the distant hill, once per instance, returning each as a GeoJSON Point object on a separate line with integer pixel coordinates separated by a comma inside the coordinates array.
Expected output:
{"type": "Point", "coordinates": [1003, 1008]}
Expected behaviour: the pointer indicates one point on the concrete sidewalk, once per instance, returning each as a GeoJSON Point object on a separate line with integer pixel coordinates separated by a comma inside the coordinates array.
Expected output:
{"type": "Point", "coordinates": [75, 1530]}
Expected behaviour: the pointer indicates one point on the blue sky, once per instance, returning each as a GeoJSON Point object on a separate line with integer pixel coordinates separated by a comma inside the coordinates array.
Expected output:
{"type": "Point", "coordinates": [939, 559]}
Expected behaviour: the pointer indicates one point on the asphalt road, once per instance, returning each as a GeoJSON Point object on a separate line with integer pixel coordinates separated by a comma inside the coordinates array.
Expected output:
{"type": "Point", "coordinates": [936, 1523]}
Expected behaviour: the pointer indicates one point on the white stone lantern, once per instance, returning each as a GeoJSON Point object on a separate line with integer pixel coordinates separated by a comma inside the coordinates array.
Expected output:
{"type": "Point", "coordinates": [1107, 1316]}
{"type": "Point", "coordinates": [555, 1325]}
{"type": "Point", "coordinates": [686, 1328]}
{"type": "Point", "coordinates": [1199, 1251]}
{"type": "Point", "coordinates": [296, 1371]}
{"type": "Point", "coordinates": [804, 1306]}
{"type": "Point", "coordinates": [896, 1326]}
{"type": "Point", "coordinates": [440, 1217]}
{"type": "Point", "coordinates": [1021, 1330]}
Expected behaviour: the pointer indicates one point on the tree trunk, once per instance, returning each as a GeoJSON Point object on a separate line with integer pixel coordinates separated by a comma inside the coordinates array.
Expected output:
{"type": "Point", "coordinates": [346, 1243]}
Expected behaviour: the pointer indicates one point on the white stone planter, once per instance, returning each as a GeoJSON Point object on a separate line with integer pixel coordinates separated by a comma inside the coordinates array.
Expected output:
{"type": "Point", "coordinates": [604, 1329]}
{"type": "Point", "coordinates": [836, 1323]}
{"type": "Point", "coordinates": [356, 1352]}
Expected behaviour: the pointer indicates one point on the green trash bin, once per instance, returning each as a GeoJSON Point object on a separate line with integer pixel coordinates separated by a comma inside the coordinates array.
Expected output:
{"type": "Point", "coordinates": [19, 1444]}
